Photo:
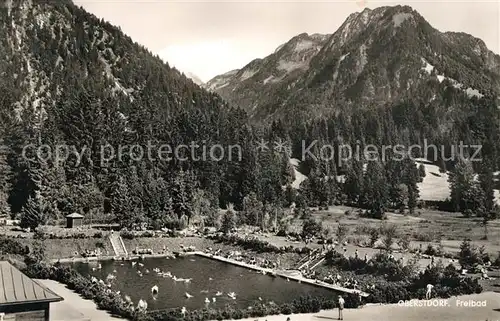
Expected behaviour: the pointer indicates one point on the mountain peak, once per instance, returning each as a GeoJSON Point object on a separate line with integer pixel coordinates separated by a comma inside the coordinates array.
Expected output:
{"type": "Point", "coordinates": [376, 57]}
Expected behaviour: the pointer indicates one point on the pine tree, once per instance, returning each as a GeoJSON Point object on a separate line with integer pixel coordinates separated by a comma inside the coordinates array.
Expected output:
{"type": "Point", "coordinates": [182, 193]}
{"type": "Point", "coordinates": [486, 180]}
{"type": "Point", "coordinates": [410, 179]}
{"type": "Point", "coordinates": [5, 182]}
{"type": "Point", "coordinates": [121, 204]}
{"type": "Point", "coordinates": [466, 193]}
{"type": "Point", "coordinates": [397, 196]}
{"type": "Point", "coordinates": [252, 213]}
{"type": "Point", "coordinates": [375, 192]}
{"type": "Point", "coordinates": [353, 185]}
{"type": "Point", "coordinates": [229, 221]}
{"type": "Point", "coordinates": [421, 172]}
{"type": "Point", "coordinates": [34, 212]}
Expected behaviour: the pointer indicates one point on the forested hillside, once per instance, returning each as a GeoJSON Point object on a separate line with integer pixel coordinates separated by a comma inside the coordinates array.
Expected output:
{"type": "Point", "coordinates": [71, 79]}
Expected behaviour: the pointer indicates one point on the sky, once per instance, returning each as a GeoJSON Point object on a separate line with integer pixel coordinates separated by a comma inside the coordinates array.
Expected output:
{"type": "Point", "coordinates": [208, 38]}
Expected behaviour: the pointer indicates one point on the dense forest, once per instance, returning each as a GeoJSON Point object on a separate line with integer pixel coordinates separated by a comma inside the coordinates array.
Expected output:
{"type": "Point", "coordinates": [70, 79]}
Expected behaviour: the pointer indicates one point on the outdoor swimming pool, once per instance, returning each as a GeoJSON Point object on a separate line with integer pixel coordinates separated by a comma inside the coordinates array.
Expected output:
{"type": "Point", "coordinates": [208, 277]}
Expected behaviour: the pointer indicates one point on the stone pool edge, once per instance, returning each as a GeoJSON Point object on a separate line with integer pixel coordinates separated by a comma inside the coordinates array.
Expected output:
{"type": "Point", "coordinates": [281, 274]}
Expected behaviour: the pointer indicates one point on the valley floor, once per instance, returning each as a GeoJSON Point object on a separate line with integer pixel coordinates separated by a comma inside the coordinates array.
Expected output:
{"type": "Point", "coordinates": [395, 312]}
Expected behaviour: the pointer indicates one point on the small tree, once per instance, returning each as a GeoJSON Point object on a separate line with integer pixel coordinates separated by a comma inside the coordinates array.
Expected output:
{"type": "Point", "coordinates": [374, 235]}
{"type": "Point", "coordinates": [37, 253]}
{"type": "Point", "coordinates": [342, 232]}
{"type": "Point", "coordinates": [389, 233]}
{"type": "Point", "coordinates": [469, 255]}
{"type": "Point", "coordinates": [404, 242]}
{"type": "Point", "coordinates": [252, 213]}
{"type": "Point", "coordinates": [290, 195]}
{"type": "Point", "coordinates": [33, 213]}
{"type": "Point", "coordinates": [228, 221]}
{"type": "Point", "coordinates": [265, 221]}
{"type": "Point", "coordinates": [311, 228]}
{"type": "Point", "coordinates": [421, 172]}
{"type": "Point", "coordinates": [283, 227]}
{"type": "Point", "coordinates": [183, 222]}
{"type": "Point", "coordinates": [326, 233]}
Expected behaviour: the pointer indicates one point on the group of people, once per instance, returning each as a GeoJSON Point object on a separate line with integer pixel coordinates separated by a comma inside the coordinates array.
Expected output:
{"type": "Point", "coordinates": [238, 256]}
{"type": "Point", "coordinates": [90, 253]}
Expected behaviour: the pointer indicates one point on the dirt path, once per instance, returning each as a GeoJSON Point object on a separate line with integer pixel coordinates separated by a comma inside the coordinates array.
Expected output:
{"type": "Point", "coordinates": [395, 312]}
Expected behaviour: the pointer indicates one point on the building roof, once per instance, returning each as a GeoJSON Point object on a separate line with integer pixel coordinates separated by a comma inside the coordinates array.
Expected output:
{"type": "Point", "coordinates": [17, 288]}
{"type": "Point", "coordinates": [74, 215]}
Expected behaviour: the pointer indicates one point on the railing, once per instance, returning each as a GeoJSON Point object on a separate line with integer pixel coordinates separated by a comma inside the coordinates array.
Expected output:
{"type": "Point", "coordinates": [123, 246]}
{"type": "Point", "coordinates": [317, 263]}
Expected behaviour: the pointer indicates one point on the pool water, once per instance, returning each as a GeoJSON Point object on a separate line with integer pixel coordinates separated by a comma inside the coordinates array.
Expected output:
{"type": "Point", "coordinates": [208, 279]}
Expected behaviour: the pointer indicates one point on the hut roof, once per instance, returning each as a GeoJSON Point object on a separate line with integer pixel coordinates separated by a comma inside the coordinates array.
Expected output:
{"type": "Point", "coordinates": [17, 288]}
{"type": "Point", "coordinates": [74, 215]}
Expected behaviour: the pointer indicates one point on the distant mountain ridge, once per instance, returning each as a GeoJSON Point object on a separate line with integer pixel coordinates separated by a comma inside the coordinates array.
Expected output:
{"type": "Point", "coordinates": [376, 57]}
{"type": "Point", "coordinates": [244, 87]}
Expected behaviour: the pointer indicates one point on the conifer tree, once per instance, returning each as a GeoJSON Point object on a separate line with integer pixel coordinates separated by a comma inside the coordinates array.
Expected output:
{"type": "Point", "coordinates": [121, 204]}
{"type": "Point", "coordinates": [410, 179]}
{"type": "Point", "coordinates": [229, 221]}
{"type": "Point", "coordinates": [34, 212]}
{"type": "Point", "coordinates": [466, 193]}
{"type": "Point", "coordinates": [353, 185]}
{"type": "Point", "coordinates": [375, 189]}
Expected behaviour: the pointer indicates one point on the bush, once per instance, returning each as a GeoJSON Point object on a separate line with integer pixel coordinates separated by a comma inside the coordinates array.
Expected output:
{"type": "Point", "coordinates": [389, 233]}
{"type": "Point", "coordinates": [342, 231]}
{"type": "Point", "coordinates": [404, 242]}
{"type": "Point", "coordinates": [130, 235]}
{"type": "Point", "coordinates": [311, 228]}
{"type": "Point", "coordinates": [10, 246]}
{"type": "Point", "coordinates": [430, 250]}
{"type": "Point", "coordinates": [374, 235]}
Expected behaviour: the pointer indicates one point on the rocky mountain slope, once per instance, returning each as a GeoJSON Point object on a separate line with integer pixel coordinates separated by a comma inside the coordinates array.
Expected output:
{"type": "Point", "coordinates": [377, 57]}
{"type": "Point", "coordinates": [250, 86]}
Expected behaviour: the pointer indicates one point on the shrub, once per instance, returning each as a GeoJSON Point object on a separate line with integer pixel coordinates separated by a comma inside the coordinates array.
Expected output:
{"type": "Point", "coordinates": [404, 242]}
{"type": "Point", "coordinates": [389, 233]}
{"type": "Point", "coordinates": [342, 231]}
{"type": "Point", "coordinates": [497, 261]}
{"type": "Point", "coordinates": [11, 246]}
{"type": "Point", "coordinates": [374, 235]}
{"type": "Point", "coordinates": [126, 234]}
{"type": "Point", "coordinates": [430, 250]}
